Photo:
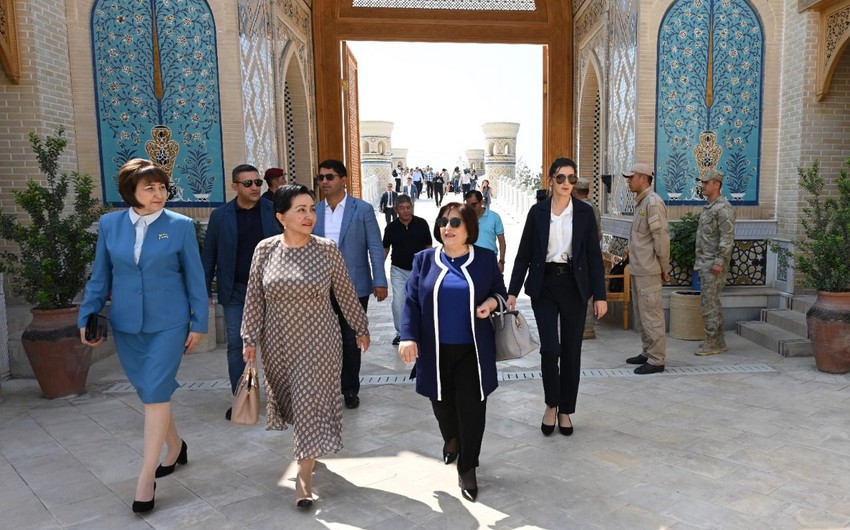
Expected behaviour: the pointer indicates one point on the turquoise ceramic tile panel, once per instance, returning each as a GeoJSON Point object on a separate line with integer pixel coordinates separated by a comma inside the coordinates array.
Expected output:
{"type": "Point", "coordinates": [709, 99]}
{"type": "Point", "coordinates": [157, 94]}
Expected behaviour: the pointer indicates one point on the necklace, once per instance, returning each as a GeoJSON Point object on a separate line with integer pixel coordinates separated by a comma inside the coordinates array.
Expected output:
{"type": "Point", "coordinates": [452, 259]}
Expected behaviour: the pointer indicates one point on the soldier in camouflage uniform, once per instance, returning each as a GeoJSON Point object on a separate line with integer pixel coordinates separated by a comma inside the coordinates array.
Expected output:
{"type": "Point", "coordinates": [715, 240]}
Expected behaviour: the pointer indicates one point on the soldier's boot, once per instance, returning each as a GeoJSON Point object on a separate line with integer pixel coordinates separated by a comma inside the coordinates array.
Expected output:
{"type": "Point", "coordinates": [712, 346]}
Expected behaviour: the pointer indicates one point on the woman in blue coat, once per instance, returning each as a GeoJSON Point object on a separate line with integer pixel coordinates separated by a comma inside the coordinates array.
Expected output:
{"type": "Point", "coordinates": [450, 293]}
{"type": "Point", "coordinates": [147, 258]}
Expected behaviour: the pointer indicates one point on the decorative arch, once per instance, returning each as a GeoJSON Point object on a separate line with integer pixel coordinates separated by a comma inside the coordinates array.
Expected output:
{"type": "Point", "coordinates": [709, 99]}
{"type": "Point", "coordinates": [157, 94]}
{"type": "Point", "coordinates": [833, 41]}
{"type": "Point", "coordinates": [296, 121]}
{"type": "Point", "coordinates": [589, 125]}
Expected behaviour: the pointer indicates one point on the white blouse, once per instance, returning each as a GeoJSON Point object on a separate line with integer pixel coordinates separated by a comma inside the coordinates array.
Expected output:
{"type": "Point", "coordinates": [560, 247]}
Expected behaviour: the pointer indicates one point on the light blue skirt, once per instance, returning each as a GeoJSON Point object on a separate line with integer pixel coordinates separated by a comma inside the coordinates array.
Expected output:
{"type": "Point", "coordinates": [151, 361]}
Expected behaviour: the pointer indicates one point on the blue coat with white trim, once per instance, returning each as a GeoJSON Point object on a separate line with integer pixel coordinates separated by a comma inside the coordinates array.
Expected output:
{"type": "Point", "coordinates": [420, 317]}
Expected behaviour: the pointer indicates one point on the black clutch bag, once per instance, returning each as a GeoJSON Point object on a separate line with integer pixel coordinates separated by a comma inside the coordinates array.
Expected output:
{"type": "Point", "coordinates": [95, 327]}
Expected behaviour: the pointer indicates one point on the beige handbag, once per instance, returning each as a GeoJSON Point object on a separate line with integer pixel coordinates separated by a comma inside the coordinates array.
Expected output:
{"type": "Point", "coordinates": [246, 400]}
{"type": "Point", "coordinates": [513, 336]}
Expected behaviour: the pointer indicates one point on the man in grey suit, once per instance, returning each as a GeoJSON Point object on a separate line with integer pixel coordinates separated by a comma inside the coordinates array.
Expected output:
{"type": "Point", "coordinates": [351, 224]}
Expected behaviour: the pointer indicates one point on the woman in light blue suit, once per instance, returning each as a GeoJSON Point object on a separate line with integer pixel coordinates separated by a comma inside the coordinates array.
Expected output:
{"type": "Point", "coordinates": [147, 258]}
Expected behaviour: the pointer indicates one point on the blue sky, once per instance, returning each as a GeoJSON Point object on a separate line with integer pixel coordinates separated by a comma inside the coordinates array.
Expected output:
{"type": "Point", "coordinates": [438, 95]}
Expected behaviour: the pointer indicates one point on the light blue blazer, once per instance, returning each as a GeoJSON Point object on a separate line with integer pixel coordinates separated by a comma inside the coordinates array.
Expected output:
{"type": "Point", "coordinates": [359, 242]}
{"type": "Point", "coordinates": [165, 290]}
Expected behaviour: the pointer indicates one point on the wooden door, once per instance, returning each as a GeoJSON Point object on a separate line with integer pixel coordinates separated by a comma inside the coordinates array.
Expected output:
{"type": "Point", "coordinates": [351, 121]}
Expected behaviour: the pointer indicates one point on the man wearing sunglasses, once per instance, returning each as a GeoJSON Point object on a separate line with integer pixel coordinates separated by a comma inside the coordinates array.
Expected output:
{"type": "Point", "coordinates": [233, 231]}
{"type": "Point", "coordinates": [649, 257]}
{"type": "Point", "coordinates": [351, 224]}
{"type": "Point", "coordinates": [490, 227]}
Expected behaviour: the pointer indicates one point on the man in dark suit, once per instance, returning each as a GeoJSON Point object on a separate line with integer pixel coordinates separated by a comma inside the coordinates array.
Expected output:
{"type": "Point", "coordinates": [233, 232]}
{"type": "Point", "coordinates": [351, 224]}
{"type": "Point", "coordinates": [387, 205]}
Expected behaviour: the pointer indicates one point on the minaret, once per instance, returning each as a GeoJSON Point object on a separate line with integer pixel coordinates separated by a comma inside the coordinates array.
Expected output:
{"type": "Point", "coordinates": [500, 149]}
{"type": "Point", "coordinates": [475, 160]}
{"type": "Point", "coordinates": [376, 152]}
{"type": "Point", "coordinates": [400, 157]}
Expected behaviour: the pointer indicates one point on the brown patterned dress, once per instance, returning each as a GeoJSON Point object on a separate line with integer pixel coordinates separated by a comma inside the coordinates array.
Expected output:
{"type": "Point", "coordinates": [288, 314]}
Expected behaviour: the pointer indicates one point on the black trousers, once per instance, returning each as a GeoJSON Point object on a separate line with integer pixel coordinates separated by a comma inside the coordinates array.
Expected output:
{"type": "Point", "coordinates": [350, 351]}
{"type": "Point", "coordinates": [461, 413]}
{"type": "Point", "coordinates": [389, 214]}
{"type": "Point", "coordinates": [429, 188]}
{"type": "Point", "coordinates": [438, 194]}
{"type": "Point", "coordinates": [560, 305]}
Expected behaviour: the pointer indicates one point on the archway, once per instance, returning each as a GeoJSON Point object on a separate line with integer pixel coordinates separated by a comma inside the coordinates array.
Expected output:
{"type": "Point", "coordinates": [543, 22]}
{"type": "Point", "coordinates": [589, 131]}
{"type": "Point", "coordinates": [295, 121]}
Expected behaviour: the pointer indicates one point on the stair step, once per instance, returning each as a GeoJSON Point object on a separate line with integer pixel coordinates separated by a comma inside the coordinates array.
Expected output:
{"type": "Point", "coordinates": [793, 321]}
{"type": "Point", "coordinates": [773, 338]}
{"type": "Point", "coordinates": [802, 303]}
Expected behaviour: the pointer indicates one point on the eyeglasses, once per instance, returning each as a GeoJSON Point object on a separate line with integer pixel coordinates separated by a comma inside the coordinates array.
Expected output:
{"type": "Point", "coordinates": [560, 178]}
{"type": "Point", "coordinates": [454, 222]}
{"type": "Point", "coordinates": [329, 177]}
{"type": "Point", "coordinates": [255, 182]}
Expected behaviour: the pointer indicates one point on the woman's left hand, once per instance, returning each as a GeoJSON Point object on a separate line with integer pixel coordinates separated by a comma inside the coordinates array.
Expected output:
{"type": "Point", "coordinates": [363, 342]}
{"type": "Point", "coordinates": [191, 341]}
{"type": "Point", "coordinates": [600, 307]}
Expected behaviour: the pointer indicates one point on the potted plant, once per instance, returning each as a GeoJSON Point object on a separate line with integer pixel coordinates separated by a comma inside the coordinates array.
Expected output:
{"type": "Point", "coordinates": [56, 247]}
{"type": "Point", "coordinates": [683, 243]}
{"type": "Point", "coordinates": [822, 257]}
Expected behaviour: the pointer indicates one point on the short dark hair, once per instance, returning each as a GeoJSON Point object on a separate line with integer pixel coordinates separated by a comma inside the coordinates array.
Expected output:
{"type": "Point", "coordinates": [243, 168]}
{"type": "Point", "coordinates": [467, 214]}
{"type": "Point", "coordinates": [285, 194]}
{"type": "Point", "coordinates": [135, 171]}
{"type": "Point", "coordinates": [337, 166]}
{"type": "Point", "coordinates": [561, 162]}
{"type": "Point", "coordinates": [403, 199]}
{"type": "Point", "coordinates": [473, 193]}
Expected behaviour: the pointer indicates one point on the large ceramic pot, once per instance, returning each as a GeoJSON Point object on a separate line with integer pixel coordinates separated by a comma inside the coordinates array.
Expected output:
{"type": "Point", "coordinates": [59, 360]}
{"type": "Point", "coordinates": [829, 330]}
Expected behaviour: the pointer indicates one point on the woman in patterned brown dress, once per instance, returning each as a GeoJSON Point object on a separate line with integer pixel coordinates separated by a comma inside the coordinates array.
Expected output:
{"type": "Point", "coordinates": [288, 312]}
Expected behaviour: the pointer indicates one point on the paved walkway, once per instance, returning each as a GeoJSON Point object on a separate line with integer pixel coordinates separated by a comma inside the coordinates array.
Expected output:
{"type": "Point", "coordinates": [745, 440]}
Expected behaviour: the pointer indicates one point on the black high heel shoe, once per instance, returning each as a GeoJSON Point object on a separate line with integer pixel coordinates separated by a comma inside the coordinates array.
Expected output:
{"type": "Point", "coordinates": [548, 429]}
{"type": "Point", "coordinates": [566, 431]}
{"type": "Point", "coordinates": [182, 459]}
{"type": "Point", "coordinates": [470, 494]}
{"type": "Point", "coordinates": [449, 456]}
{"type": "Point", "coordinates": [144, 506]}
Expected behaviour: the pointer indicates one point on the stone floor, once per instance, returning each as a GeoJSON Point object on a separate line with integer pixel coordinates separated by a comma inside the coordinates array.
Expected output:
{"type": "Point", "coordinates": [745, 440]}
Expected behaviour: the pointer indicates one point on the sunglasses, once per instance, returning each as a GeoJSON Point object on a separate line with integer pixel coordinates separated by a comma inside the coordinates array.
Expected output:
{"type": "Point", "coordinates": [248, 183]}
{"type": "Point", "coordinates": [329, 177]}
{"type": "Point", "coordinates": [454, 222]}
{"type": "Point", "coordinates": [560, 178]}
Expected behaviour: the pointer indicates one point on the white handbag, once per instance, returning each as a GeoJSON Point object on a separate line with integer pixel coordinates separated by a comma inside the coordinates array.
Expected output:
{"type": "Point", "coordinates": [513, 336]}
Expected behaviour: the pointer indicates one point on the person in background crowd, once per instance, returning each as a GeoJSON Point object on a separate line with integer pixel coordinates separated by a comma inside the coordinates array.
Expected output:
{"type": "Point", "coordinates": [714, 245]}
{"type": "Point", "coordinates": [649, 258]}
{"type": "Point", "coordinates": [559, 251]}
{"type": "Point", "coordinates": [289, 313]}
{"type": "Point", "coordinates": [233, 232]}
{"type": "Point", "coordinates": [387, 204]}
{"type": "Point", "coordinates": [581, 190]}
{"type": "Point", "coordinates": [487, 194]}
{"type": "Point", "coordinates": [275, 177]}
{"type": "Point", "coordinates": [147, 260]}
{"type": "Point", "coordinates": [490, 228]}
{"type": "Point", "coordinates": [439, 186]}
{"type": "Point", "coordinates": [445, 330]}
{"type": "Point", "coordinates": [406, 236]}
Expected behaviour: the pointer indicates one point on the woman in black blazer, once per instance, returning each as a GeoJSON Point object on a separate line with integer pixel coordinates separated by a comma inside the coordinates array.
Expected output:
{"type": "Point", "coordinates": [560, 252]}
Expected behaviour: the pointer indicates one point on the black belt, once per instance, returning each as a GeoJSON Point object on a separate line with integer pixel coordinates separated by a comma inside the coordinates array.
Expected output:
{"type": "Point", "coordinates": [556, 268]}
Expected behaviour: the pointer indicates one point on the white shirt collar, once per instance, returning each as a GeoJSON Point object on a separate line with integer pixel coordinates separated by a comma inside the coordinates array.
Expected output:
{"type": "Point", "coordinates": [147, 219]}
